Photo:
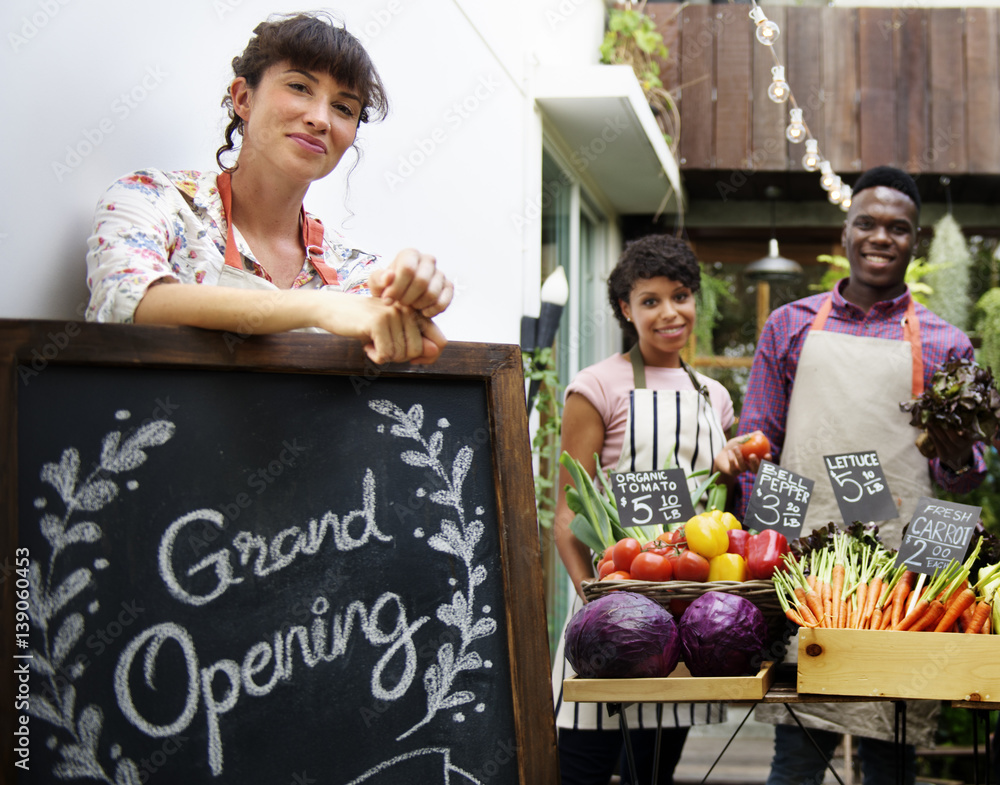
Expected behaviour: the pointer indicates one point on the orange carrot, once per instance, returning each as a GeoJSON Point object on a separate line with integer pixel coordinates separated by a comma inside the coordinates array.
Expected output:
{"type": "Point", "coordinates": [872, 592]}
{"type": "Point", "coordinates": [956, 605]}
{"type": "Point", "coordinates": [987, 625]}
{"type": "Point", "coordinates": [935, 610]}
{"type": "Point", "coordinates": [862, 598]}
{"type": "Point", "coordinates": [915, 614]}
{"type": "Point", "coordinates": [979, 617]}
{"type": "Point", "coordinates": [875, 620]}
{"type": "Point", "coordinates": [966, 617]}
{"type": "Point", "coordinates": [836, 594]}
{"type": "Point", "coordinates": [903, 589]}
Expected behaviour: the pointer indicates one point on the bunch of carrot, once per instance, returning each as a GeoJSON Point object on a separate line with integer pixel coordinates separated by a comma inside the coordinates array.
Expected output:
{"type": "Point", "coordinates": [853, 585]}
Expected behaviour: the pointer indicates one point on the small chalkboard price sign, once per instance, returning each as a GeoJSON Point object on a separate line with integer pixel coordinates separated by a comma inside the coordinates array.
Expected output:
{"type": "Point", "coordinates": [779, 500]}
{"type": "Point", "coordinates": [267, 561]}
{"type": "Point", "coordinates": [938, 532]}
{"type": "Point", "coordinates": [860, 487]}
{"type": "Point", "coordinates": [655, 499]}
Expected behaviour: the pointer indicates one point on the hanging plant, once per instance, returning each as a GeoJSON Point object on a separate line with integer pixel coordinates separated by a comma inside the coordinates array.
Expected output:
{"type": "Point", "coordinates": [632, 39]}
{"type": "Point", "coordinates": [949, 280]}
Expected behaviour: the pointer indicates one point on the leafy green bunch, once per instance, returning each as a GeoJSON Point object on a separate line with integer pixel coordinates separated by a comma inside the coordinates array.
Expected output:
{"type": "Point", "coordinates": [962, 396]}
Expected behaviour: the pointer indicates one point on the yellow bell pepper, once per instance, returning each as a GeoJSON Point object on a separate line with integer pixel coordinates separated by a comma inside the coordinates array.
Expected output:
{"type": "Point", "coordinates": [727, 567]}
{"type": "Point", "coordinates": [730, 521]}
{"type": "Point", "coordinates": [706, 536]}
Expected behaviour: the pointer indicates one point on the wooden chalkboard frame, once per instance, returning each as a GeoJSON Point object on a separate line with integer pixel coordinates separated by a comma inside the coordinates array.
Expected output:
{"type": "Point", "coordinates": [38, 344]}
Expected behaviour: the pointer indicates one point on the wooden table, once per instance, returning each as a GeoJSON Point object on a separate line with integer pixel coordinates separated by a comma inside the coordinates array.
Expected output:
{"type": "Point", "coordinates": [775, 684]}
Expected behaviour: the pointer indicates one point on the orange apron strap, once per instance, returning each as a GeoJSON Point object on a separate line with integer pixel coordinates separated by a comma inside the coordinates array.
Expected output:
{"type": "Point", "coordinates": [822, 313]}
{"type": "Point", "coordinates": [312, 235]}
{"type": "Point", "coordinates": [226, 192]}
{"type": "Point", "coordinates": [911, 332]}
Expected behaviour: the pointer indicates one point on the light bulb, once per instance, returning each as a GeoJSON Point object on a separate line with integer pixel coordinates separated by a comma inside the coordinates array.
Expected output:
{"type": "Point", "coordinates": [845, 202]}
{"type": "Point", "coordinates": [811, 160]}
{"type": "Point", "coordinates": [796, 131]}
{"type": "Point", "coordinates": [827, 177]}
{"type": "Point", "coordinates": [767, 31]}
{"type": "Point", "coordinates": [778, 91]}
{"type": "Point", "coordinates": [836, 193]}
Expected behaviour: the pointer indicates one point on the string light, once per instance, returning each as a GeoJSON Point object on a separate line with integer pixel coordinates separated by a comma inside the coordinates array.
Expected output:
{"type": "Point", "coordinates": [811, 160]}
{"type": "Point", "coordinates": [845, 202]}
{"type": "Point", "coordinates": [796, 131]}
{"type": "Point", "coordinates": [827, 178]}
{"type": "Point", "coordinates": [767, 31]}
{"type": "Point", "coordinates": [778, 91]}
{"type": "Point", "coordinates": [836, 194]}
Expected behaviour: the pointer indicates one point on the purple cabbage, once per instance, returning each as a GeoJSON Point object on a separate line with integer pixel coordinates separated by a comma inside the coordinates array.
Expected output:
{"type": "Point", "coordinates": [722, 635]}
{"type": "Point", "coordinates": [622, 635]}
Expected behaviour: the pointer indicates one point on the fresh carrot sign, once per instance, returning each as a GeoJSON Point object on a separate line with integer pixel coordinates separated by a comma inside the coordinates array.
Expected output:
{"type": "Point", "coordinates": [938, 533]}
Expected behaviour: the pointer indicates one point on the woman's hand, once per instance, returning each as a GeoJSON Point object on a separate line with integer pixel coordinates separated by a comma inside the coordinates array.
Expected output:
{"type": "Point", "coordinates": [413, 279]}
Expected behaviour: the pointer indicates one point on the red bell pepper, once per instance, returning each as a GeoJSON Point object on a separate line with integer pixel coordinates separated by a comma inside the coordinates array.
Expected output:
{"type": "Point", "coordinates": [764, 552]}
{"type": "Point", "coordinates": [738, 541]}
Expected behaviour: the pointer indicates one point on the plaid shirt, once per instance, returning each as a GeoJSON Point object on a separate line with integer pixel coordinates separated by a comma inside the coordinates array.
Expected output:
{"type": "Point", "coordinates": [776, 359]}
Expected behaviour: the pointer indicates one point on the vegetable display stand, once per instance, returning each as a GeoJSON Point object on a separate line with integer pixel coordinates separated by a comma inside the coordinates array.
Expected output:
{"type": "Point", "coordinates": [760, 592]}
{"type": "Point", "coordinates": [889, 664]}
{"type": "Point", "coordinates": [679, 687]}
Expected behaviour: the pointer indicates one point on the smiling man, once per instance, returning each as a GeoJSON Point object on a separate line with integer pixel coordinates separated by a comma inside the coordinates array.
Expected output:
{"type": "Point", "coordinates": [828, 376]}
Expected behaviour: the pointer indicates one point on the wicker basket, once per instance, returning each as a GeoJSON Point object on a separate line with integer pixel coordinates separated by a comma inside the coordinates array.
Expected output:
{"type": "Point", "coordinates": [760, 593]}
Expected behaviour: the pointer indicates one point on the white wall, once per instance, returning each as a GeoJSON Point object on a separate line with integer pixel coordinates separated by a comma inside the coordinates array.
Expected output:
{"type": "Point", "coordinates": [92, 89]}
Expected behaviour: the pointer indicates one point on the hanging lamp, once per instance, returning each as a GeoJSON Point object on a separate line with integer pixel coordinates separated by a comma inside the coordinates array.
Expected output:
{"type": "Point", "coordinates": [773, 267]}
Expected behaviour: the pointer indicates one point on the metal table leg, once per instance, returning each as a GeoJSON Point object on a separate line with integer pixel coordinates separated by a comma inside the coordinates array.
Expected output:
{"type": "Point", "coordinates": [812, 741]}
{"type": "Point", "coordinates": [619, 709]}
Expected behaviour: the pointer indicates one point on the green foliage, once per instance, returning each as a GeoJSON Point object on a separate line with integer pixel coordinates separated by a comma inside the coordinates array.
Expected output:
{"type": "Point", "coordinates": [840, 268]}
{"type": "Point", "coordinates": [987, 323]}
{"type": "Point", "coordinates": [713, 294]}
{"type": "Point", "coordinates": [539, 366]}
{"type": "Point", "coordinates": [949, 279]}
{"type": "Point", "coordinates": [632, 39]}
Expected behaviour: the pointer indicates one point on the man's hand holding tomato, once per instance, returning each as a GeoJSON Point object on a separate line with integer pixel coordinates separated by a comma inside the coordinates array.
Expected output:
{"type": "Point", "coordinates": [742, 453]}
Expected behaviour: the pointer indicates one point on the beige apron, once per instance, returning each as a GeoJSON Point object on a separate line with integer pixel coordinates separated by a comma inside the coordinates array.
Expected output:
{"type": "Point", "coordinates": [684, 425]}
{"type": "Point", "coordinates": [846, 398]}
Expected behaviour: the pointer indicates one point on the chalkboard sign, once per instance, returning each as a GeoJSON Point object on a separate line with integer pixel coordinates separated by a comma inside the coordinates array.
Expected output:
{"type": "Point", "coordinates": [270, 562]}
{"type": "Point", "coordinates": [779, 500]}
{"type": "Point", "coordinates": [938, 533]}
{"type": "Point", "coordinates": [860, 487]}
{"type": "Point", "coordinates": [652, 499]}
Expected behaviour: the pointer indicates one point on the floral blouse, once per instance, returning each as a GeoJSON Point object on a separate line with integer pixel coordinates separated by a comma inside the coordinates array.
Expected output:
{"type": "Point", "coordinates": [152, 225]}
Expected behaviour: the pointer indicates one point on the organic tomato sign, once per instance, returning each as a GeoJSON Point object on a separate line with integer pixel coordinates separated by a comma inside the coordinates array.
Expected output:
{"type": "Point", "coordinates": [938, 533]}
{"type": "Point", "coordinates": [244, 571]}
{"type": "Point", "coordinates": [652, 499]}
{"type": "Point", "coordinates": [860, 487]}
{"type": "Point", "coordinates": [779, 500]}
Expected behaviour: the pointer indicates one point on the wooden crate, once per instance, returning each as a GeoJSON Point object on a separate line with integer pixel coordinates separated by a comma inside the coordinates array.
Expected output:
{"type": "Point", "coordinates": [679, 686]}
{"type": "Point", "coordinates": [928, 665]}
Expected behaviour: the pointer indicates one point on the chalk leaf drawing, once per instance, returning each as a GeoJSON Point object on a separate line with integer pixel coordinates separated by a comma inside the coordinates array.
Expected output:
{"type": "Point", "coordinates": [50, 594]}
{"type": "Point", "coordinates": [457, 538]}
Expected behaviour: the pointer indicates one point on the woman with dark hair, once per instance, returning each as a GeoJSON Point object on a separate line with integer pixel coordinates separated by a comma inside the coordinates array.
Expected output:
{"type": "Point", "coordinates": [301, 88]}
{"type": "Point", "coordinates": [669, 414]}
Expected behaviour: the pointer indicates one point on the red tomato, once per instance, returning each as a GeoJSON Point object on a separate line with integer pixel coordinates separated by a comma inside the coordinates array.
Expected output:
{"type": "Point", "coordinates": [617, 575]}
{"type": "Point", "coordinates": [656, 546]}
{"type": "Point", "coordinates": [626, 550]}
{"type": "Point", "coordinates": [691, 566]}
{"type": "Point", "coordinates": [649, 566]}
{"type": "Point", "coordinates": [606, 556]}
{"type": "Point", "coordinates": [605, 568]}
{"type": "Point", "coordinates": [755, 443]}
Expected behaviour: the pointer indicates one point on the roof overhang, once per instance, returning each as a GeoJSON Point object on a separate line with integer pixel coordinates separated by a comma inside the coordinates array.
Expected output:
{"type": "Point", "coordinates": [602, 115]}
